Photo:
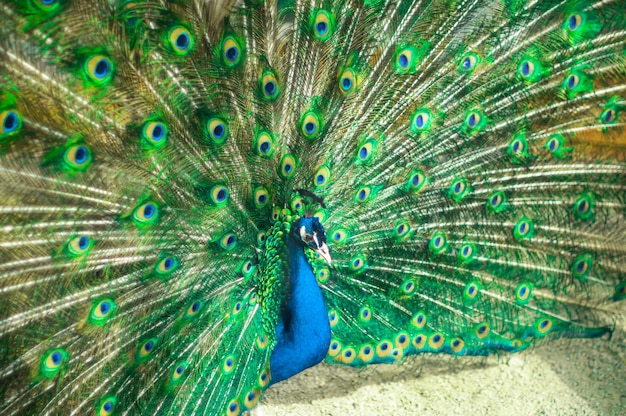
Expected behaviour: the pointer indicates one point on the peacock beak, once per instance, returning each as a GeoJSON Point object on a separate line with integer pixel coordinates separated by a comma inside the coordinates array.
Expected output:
{"type": "Point", "coordinates": [323, 251]}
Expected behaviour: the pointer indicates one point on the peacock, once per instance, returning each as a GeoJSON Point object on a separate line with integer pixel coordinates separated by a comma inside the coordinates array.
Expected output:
{"type": "Point", "coordinates": [200, 199]}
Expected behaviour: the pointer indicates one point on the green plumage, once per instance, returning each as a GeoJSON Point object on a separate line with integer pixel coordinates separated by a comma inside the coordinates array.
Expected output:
{"type": "Point", "coordinates": [467, 160]}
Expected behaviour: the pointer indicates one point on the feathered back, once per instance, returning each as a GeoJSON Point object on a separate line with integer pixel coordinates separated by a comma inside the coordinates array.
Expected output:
{"type": "Point", "coordinates": [467, 159]}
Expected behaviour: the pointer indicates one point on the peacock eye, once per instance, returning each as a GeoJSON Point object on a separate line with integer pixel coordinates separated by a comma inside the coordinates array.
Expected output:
{"type": "Point", "coordinates": [154, 133]}
{"type": "Point", "coordinates": [77, 157]}
{"type": "Point", "coordinates": [287, 166]}
{"type": "Point", "coordinates": [180, 40]}
{"type": "Point", "coordinates": [347, 81]}
{"type": "Point", "coordinates": [572, 81]}
{"type": "Point", "coordinates": [310, 125]}
{"type": "Point", "coordinates": [231, 52]}
{"type": "Point", "coordinates": [468, 63]}
{"type": "Point", "coordinates": [322, 25]}
{"type": "Point", "coordinates": [10, 123]}
{"type": "Point", "coordinates": [218, 130]}
{"type": "Point", "coordinates": [269, 85]}
{"type": "Point", "coordinates": [527, 69]}
{"type": "Point", "coordinates": [99, 69]}
{"type": "Point", "coordinates": [573, 22]}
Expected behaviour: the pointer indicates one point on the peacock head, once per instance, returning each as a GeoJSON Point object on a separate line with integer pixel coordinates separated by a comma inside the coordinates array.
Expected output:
{"type": "Point", "coordinates": [310, 232]}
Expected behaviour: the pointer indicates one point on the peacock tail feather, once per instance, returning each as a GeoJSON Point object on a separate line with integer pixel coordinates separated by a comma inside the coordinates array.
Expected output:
{"type": "Point", "coordinates": [175, 177]}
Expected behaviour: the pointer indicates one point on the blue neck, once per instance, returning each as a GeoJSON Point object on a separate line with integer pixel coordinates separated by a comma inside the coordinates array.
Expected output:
{"type": "Point", "coordinates": [303, 333]}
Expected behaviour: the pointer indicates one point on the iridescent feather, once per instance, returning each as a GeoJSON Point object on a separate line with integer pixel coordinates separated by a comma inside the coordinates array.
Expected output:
{"type": "Point", "coordinates": [202, 198]}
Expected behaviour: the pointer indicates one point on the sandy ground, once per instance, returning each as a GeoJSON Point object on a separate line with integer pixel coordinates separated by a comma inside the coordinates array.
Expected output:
{"type": "Point", "coordinates": [566, 377]}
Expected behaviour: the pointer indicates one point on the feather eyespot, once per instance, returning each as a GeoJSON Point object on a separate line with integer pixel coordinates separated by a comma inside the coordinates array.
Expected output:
{"type": "Point", "coordinates": [363, 194]}
{"type": "Point", "coordinates": [231, 52]}
{"type": "Point", "coordinates": [366, 151]}
{"type": "Point", "coordinates": [468, 63]}
{"type": "Point", "coordinates": [102, 310]}
{"type": "Point", "coordinates": [10, 123]}
{"type": "Point", "coordinates": [99, 69]}
{"type": "Point", "coordinates": [147, 348]}
{"type": "Point", "coordinates": [582, 265]}
{"type": "Point", "coordinates": [52, 362]}
{"type": "Point", "coordinates": [419, 320]}
{"type": "Point", "coordinates": [384, 348]}
{"type": "Point", "coordinates": [146, 213]}
{"type": "Point", "coordinates": [365, 314]}
{"type": "Point", "coordinates": [154, 133]}
{"type": "Point", "coordinates": [366, 353]}
{"type": "Point", "coordinates": [583, 207]}
{"type": "Point", "coordinates": [297, 205]}
{"type": "Point", "coordinates": [523, 293]}
{"type": "Point", "coordinates": [193, 309]}
{"type": "Point", "coordinates": [402, 230]}
{"type": "Point", "coordinates": [47, 5]}
{"type": "Point", "coordinates": [264, 378]}
{"type": "Point", "coordinates": [252, 398]}
{"type": "Point", "coordinates": [247, 270]}
{"type": "Point", "coordinates": [459, 189]}
{"type": "Point", "coordinates": [263, 144]}
{"type": "Point", "coordinates": [405, 60]}
{"type": "Point", "coordinates": [408, 287]}
{"type": "Point", "coordinates": [180, 40]}
{"type": "Point", "coordinates": [178, 371]}
{"type": "Point", "coordinates": [609, 116]}
{"type": "Point", "coordinates": [287, 166]}
{"type": "Point", "coordinates": [543, 326]}
{"type": "Point", "coordinates": [322, 24]}
{"type": "Point", "coordinates": [166, 265]}
{"type": "Point", "coordinates": [436, 340]}
{"type": "Point", "coordinates": [472, 120]}
{"type": "Point", "coordinates": [574, 22]}
{"type": "Point", "coordinates": [106, 406]}
{"type": "Point", "coordinates": [339, 236]}
{"type": "Point", "coordinates": [322, 177]}
{"type": "Point", "coordinates": [228, 364]}
{"type": "Point", "coordinates": [218, 130]}
{"type": "Point", "coordinates": [457, 345]}
{"type": "Point", "coordinates": [553, 144]}
{"type": "Point", "coordinates": [334, 348]}
{"type": "Point", "coordinates": [572, 81]}
{"type": "Point", "coordinates": [347, 356]}
{"type": "Point", "coordinates": [421, 120]}
{"type": "Point", "coordinates": [471, 292]}
{"type": "Point", "coordinates": [357, 264]}
{"type": "Point", "coordinates": [228, 241]}
{"type": "Point", "coordinates": [219, 195]}
{"type": "Point", "coordinates": [402, 340]}
{"type": "Point", "coordinates": [310, 125]}
{"type": "Point", "coordinates": [527, 69]}
{"type": "Point", "coordinates": [77, 157]}
{"type": "Point", "coordinates": [261, 197]}
{"type": "Point", "coordinates": [347, 81]}
{"type": "Point", "coordinates": [269, 86]}
{"type": "Point", "coordinates": [261, 341]}
{"type": "Point", "coordinates": [482, 330]}
{"type": "Point", "coordinates": [517, 146]}
{"type": "Point", "coordinates": [524, 229]}
{"type": "Point", "coordinates": [323, 275]}
{"type": "Point", "coordinates": [416, 181]}
{"type": "Point", "coordinates": [333, 318]}
{"type": "Point", "coordinates": [80, 245]}
{"type": "Point", "coordinates": [419, 341]}
{"type": "Point", "coordinates": [438, 243]}
{"type": "Point", "coordinates": [233, 409]}
{"type": "Point", "coordinates": [467, 253]}
{"type": "Point", "coordinates": [496, 201]}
